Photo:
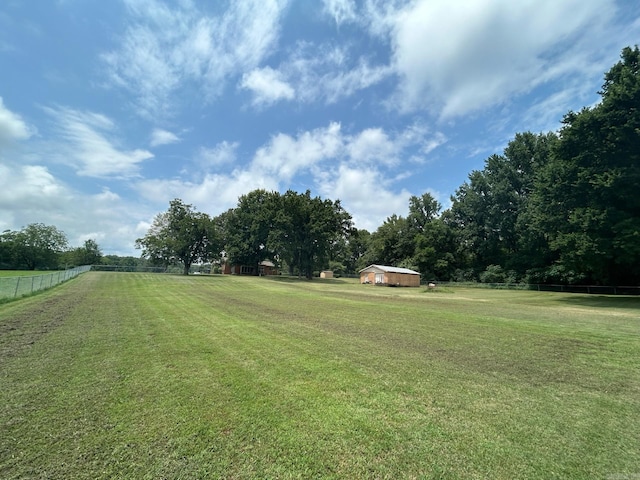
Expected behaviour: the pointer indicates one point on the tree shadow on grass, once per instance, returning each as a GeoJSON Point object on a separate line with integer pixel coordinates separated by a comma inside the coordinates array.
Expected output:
{"type": "Point", "coordinates": [294, 279]}
{"type": "Point", "coordinates": [603, 301]}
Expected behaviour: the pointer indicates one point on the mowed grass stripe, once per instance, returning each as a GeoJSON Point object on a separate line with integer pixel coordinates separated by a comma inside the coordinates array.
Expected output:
{"type": "Point", "coordinates": [152, 376]}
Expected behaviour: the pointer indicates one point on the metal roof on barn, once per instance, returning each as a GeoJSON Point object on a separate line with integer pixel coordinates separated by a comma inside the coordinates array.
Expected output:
{"type": "Point", "coordinates": [387, 269]}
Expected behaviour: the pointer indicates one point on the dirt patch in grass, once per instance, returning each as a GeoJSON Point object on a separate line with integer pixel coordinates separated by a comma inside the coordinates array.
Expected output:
{"type": "Point", "coordinates": [26, 323]}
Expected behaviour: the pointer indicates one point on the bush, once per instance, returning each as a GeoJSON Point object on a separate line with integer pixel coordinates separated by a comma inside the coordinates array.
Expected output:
{"type": "Point", "coordinates": [493, 274]}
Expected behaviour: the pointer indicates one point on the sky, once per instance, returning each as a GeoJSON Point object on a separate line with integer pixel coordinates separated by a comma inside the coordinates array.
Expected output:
{"type": "Point", "coordinates": [111, 109]}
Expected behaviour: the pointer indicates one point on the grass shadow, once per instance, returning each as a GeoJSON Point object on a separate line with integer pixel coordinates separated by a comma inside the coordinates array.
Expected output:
{"type": "Point", "coordinates": [602, 301]}
{"type": "Point", "coordinates": [294, 279]}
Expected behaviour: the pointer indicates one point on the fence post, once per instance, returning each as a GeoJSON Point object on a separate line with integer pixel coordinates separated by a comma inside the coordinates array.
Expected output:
{"type": "Point", "coordinates": [32, 280]}
{"type": "Point", "coordinates": [15, 294]}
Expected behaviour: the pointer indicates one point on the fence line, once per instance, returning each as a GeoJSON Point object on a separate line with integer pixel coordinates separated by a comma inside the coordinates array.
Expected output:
{"type": "Point", "coordinates": [14, 287]}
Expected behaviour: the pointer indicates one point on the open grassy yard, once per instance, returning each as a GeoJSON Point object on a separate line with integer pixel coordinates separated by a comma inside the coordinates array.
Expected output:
{"type": "Point", "coordinates": [125, 375]}
{"type": "Point", "coordinates": [22, 273]}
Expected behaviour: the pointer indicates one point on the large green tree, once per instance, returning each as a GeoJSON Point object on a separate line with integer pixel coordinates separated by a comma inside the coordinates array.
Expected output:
{"type": "Point", "coordinates": [88, 254]}
{"type": "Point", "coordinates": [391, 243]}
{"type": "Point", "coordinates": [356, 249]}
{"type": "Point", "coordinates": [293, 229]}
{"type": "Point", "coordinates": [491, 209]}
{"type": "Point", "coordinates": [587, 197]}
{"type": "Point", "coordinates": [180, 235]}
{"type": "Point", "coordinates": [37, 246]}
{"type": "Point", "coordinates": [307, 231]}
{"type": "Point", "coordinates": [246, 228]}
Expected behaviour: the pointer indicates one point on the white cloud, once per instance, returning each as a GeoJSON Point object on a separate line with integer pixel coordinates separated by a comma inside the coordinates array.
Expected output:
{"type": "Point", "coordinates": [461, 57]}
{"type": "Point", "coordinates": [30, 188]}
{"type": "Point", "coordinates": [342, 11]}
{"type": "Point", "coordinates": [167, 48]}
{"type": "Point", "coordinates": [83, 142]}
{"type": "Point", "coordinates": [267, 86]}
{"type": "Point", "coordinates": [357, 169]}
{"type": "Point", "coordinates": [286, 156]}
{"type": "Point", "coordinates": [12, 126]}
{"type": "Point", "coordinates": [328, 73]}
{"type": "Point", "coordinates": [434, 142]}
{"type": "Point", "coordinates": [373, 145]}
{"type": "Point", "coordinates": [366, 194]}
{"type": "Point", "coordinates": [214, 194]}
{"type": "Point", "coordinates": [163, 137]}
{"type": "Point", "coordinates": [224, 153]}
{"type": "Point", "coordinates": [32, 194]}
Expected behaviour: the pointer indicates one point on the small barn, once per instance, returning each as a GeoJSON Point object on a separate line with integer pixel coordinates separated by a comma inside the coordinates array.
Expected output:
{"type": "Point", "coordinates": [326, 274]}
{"type": "Point", "coordinates": [391, 276]}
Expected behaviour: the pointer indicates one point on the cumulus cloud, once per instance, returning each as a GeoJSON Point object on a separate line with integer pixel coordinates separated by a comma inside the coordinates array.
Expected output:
{"type": "Point", "coordinates": [86, 141]}
{"type": "Point", "coordinates": [164, 48]}
{"type": "Point", "coordinates": [32, 194]}
{"type": "Point", "coordinates": [12, 126]}
{"type": "Point", "coordinates": [373, 145]}
{"type": "Point", "coordinates": [365, 193]}
{"type": "Point", "coordinates": [213, 194]}
{"type": "Point", "coordinates": [163, 137]}
{"type": "Point", "coordinates": [285, 156]}
{"type": "Point", "coordinates": [340, 165]}
{"type": "Point", "coordinates": [463, 57]}
{"type": "Point", "coordinates": [29, 188]}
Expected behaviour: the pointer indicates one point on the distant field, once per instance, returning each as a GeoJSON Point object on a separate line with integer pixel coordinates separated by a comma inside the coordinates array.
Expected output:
{"type": "Point", "coordinates": [22, 273]}
{"type": "Point", "coordinates": [132, 375]}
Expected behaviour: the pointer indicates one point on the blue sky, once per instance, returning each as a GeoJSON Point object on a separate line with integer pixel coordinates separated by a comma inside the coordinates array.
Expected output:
{"type": "Point", "coordinates": [110, 109]}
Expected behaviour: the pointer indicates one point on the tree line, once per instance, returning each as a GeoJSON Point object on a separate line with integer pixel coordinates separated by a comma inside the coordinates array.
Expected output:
{"type": "Point", "coordinates": [556, 207]}
{"type": "Point", "coordinates": [44, 247]}
{"type": "Point", "coordinates": [297, 231]}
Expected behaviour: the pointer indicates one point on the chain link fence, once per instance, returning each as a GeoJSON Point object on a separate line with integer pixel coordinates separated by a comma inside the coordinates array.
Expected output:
{"type": "Point", "coordinates": [19, 286]}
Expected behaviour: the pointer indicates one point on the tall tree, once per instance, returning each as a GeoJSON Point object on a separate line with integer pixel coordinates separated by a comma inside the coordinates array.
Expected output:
{"type": "Point", "coordinates": [422, 210]}
{"type": "Point", "coordinates": [391, 243]}
{"type": "Point", "coordinates": [7, 250]}
{"type": "Point", "coordinates": [246, 228]}
{"type": "Point", "coordinates": [88, 254]}
{"type": "Point", "coordinates": [356, 249]}
{"type": "Point", "coordinates": [491, 209]}
{"type": "Point", "coordinates": [307, 229]}
{"type": "Point", "coordinates": [180, 235]}
{"type": "Point", "coordinates": [587, 199]}
{"type": "Point", "coordinates": [38, 246]}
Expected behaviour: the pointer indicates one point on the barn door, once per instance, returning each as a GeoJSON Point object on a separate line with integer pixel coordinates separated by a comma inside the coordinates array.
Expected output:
{"type": "Point", "coordinates": [379, 277]}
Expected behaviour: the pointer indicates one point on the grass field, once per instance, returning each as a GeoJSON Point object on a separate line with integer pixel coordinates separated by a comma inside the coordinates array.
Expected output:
{"type": "Point", "coordinates": [116, 375]}
{"type": "Point", "coordinates": [22, 273]}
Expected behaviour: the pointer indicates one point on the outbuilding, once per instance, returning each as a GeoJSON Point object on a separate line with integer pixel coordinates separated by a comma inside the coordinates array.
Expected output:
{"type": "Point", "coordinates": [265, 267]}
{"type": "Point", "coordinates": [391, 276]}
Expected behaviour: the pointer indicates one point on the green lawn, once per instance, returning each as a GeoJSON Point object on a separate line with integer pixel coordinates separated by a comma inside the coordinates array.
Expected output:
{"type": "Point", "coordinates": [23, 273]}
{"type": "Point", "coordinates": [127, 375]}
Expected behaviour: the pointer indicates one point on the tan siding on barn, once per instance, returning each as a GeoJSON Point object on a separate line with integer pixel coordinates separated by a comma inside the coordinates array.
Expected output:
{"type": "Point", "coordinates": [382, 275]}
{"type": "Point", "coordinates": [402, 279]}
